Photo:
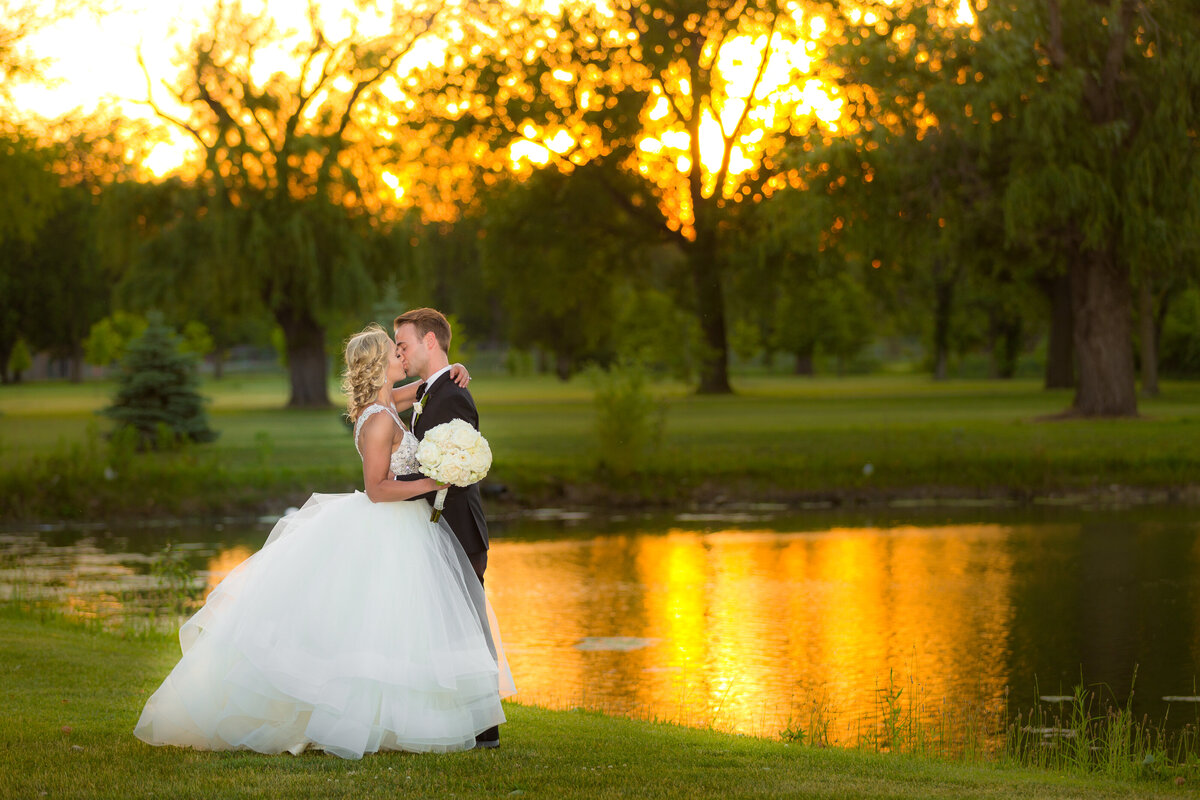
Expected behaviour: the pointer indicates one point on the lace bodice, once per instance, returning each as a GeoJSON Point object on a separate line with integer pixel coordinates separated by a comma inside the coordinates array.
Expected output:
{"type": "Point", "coordinates": [404, 457]}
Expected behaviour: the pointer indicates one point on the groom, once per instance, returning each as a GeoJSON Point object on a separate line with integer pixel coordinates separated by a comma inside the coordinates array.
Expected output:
{"type": "Point", "coordinates": [423, 339]}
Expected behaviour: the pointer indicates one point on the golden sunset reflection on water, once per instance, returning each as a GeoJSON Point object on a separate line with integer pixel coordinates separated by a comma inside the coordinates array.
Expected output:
{"type": "Point", "coordinates": [743, 631]}
{"type": "Point", "coordinates": [222, 564]}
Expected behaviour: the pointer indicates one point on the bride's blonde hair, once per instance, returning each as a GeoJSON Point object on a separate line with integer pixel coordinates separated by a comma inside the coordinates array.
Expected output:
{"type": "Point", "coordinates": [366, 368]}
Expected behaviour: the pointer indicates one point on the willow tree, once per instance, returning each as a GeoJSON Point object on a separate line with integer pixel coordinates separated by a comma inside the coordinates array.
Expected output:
{"type": "Point", "coordinates": [694, 99]}
{"type": "Point", "coordinates": [30, 195]}
{"type": "Point", "coordinates": [287, 179]}
{"type": "Point", "coordinates": [1101, 102]}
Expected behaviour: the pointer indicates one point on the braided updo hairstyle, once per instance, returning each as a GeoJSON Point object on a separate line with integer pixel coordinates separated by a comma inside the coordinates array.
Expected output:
{"type": "Point", "coordinates": [366, 368]}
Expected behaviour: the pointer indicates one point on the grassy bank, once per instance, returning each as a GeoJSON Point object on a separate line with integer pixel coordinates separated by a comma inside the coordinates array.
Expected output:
{"type": "Point", "coordinates": [860, 439]}
{"type": "Point", "coordinates": [71, 697]}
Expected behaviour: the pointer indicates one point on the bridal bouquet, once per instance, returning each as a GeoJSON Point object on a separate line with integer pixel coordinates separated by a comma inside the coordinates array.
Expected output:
{"type": "Point", "coordinates": [453, 453]}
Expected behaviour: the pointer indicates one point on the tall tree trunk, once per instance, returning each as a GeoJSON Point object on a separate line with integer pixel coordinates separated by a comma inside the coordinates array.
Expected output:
{"type": "Point", "coordinates": [75, 368]}
{"type": "Point", "coordinates": [1148, 339]}
{"type": "Point", "coordinates": [562, 366]}
{"type": "Point", "coordinates": [804, 361]}
{"type": "Point", "coordinates": [304, 339]}
{"type": "Point", "coordinates": [942, 307]}
{"type": "Point", "coordinates": [1006, 347]}
{"type": "Point", "coordinates": [1060, 349]}
{"type": "Point", "coordinates": [710, 302]}
{"type": "Point", "coordinates": [218, 362]}
{"type": "Point", "coordinates": [6, 347]}
{"type": "Point", "coordinates": [1160, 319]}
{"type": "Point", "coordinates": [1101, 298]}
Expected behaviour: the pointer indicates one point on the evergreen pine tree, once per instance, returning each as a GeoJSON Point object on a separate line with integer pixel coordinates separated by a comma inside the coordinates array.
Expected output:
{"type": "Point", "coordinates": [157, 389]}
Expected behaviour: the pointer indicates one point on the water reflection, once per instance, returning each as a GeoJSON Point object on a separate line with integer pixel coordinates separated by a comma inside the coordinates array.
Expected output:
{"type": "Point", "coordinates": [222, 563]}
{"type": "Point", "coordinates": [746, 630]}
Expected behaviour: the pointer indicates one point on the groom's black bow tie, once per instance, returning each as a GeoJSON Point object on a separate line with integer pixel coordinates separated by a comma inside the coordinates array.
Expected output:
{"type": "Point", "coordinates": [421, 390]}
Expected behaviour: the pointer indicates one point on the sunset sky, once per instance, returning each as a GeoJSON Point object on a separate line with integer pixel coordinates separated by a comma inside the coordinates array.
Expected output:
{"type": "Point", "coordinates": [94, 62]}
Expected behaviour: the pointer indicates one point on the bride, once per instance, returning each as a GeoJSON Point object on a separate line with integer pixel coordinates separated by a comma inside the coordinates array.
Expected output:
{"type": "Point", "coordinates": [360, 625]}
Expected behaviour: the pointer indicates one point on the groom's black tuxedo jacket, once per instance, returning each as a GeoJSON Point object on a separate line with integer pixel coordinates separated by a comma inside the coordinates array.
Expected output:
{"type": "Point", "coordinates": [446, 401]}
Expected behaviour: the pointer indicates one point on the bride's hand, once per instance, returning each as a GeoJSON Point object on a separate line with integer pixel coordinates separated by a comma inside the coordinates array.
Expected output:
{"type": "Point", "coordinates": [459, 374]}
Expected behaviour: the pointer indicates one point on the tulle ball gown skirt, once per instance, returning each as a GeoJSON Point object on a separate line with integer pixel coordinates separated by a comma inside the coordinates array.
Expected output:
{"type": "Point", "coordinates": [358, 627]}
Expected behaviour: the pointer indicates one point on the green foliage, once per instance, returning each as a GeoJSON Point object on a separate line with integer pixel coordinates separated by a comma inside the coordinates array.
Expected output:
{"type": "Point", "coordinates": [1092, 731]}
{"type": "Point", "coordinates": [51, 282]}
{"type": "Point", "coordinates": [110, 337]}
{"type": "Point", "coordinates": [830, 314]}
{"type": "Point", "coordinates": [19, 359]}
{"type": "Point", "coordinates": [518, 362]}
{"type": "Point", "coordinates": [1179, 347]}
{"type": "Point", "coordinates": [654, 331]}
{"type": "Point", "coordinates": [28, 187]}
{"type": "Point", "coordinates": [157, 394]}
{"type": "Point", "coordinates": [462, 348]}
{"type": "Point", "coordinates": [196, 339]}
{"type": "Point", "coordinates": [629, 419]}
{"type": "Point", "coordinates": [798, 290]}
{"type": "Point", "coordinates": [176, 581]}
{"type": "Point", "coordinates": [554, 269]}
{"type": "Point", "coordinates": [57, 282]}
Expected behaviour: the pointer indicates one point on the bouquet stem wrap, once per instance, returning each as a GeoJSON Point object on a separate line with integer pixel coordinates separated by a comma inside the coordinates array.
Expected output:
{"type": "Point", "coordinates": [439, 502]}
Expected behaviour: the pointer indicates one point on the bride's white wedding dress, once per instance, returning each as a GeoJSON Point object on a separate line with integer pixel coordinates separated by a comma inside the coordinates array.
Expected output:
{"type": "Point", "coordinates": [358, 627]}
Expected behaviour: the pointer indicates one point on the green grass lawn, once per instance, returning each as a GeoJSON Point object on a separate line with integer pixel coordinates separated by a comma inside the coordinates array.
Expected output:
{"type": "Point", "coordinates": [71, 695]}
{"type": "Point", "coordinates": [777, 438]}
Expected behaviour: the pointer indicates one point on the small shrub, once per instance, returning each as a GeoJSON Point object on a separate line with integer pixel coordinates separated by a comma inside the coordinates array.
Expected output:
{"type": "Point", "coordinates": [629, 419]}
{"type": "Point", "coordinates": [19, 360]}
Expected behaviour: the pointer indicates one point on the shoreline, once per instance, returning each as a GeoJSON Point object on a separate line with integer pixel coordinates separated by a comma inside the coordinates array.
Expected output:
{"type": "Point", "coordinates": [582, 501]}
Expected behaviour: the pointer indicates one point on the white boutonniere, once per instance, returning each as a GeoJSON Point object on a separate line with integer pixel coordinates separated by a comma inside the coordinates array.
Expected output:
{"type": "Point", "coordinates": [416, 407]}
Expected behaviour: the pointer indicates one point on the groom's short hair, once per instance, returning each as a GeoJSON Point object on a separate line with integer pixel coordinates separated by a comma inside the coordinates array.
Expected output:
{"type": "Point", "coordinates": [427, 320]}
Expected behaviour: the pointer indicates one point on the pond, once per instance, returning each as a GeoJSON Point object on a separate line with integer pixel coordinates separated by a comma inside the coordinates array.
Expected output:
{"type": "Point", "coordinates": [761, 622]}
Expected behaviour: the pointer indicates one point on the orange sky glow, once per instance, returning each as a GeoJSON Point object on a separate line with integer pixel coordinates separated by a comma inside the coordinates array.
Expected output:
{"type": "Point", "coordinates": [94, 62]}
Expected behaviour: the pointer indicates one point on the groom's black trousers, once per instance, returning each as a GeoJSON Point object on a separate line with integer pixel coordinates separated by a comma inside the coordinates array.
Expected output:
{"type": "Point", "coordinates": [478, 563]}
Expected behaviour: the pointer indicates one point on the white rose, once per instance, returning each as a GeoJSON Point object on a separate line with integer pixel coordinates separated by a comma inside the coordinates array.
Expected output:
{"type": "Point", "coordinates": [465, 437]}
{"type": "Point", "coordinates": [481, 460]}
{"type": "Point", "coordinates": [451, 473]}
{"type": "Point", "coordinates": [429, 454]}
